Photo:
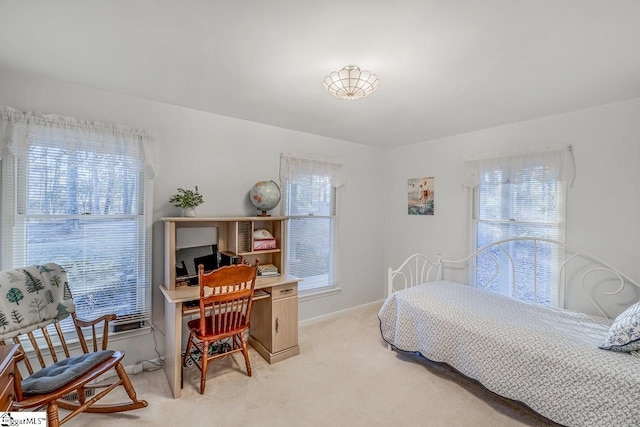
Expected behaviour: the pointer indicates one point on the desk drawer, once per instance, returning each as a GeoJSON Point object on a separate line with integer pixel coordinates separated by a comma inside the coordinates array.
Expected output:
{"type": "Point", "coordinates": [7, 398]}
{"type": "Point", "coordinates": [6, 388]}
{"type": "Point", "coordinates": [284, 291]}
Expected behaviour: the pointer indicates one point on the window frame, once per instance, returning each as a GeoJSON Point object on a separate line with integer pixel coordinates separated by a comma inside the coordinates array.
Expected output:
{"type": "Point", "coordinates": [11, 218]}
{"type": "Point", "coordinates": [331, 286]}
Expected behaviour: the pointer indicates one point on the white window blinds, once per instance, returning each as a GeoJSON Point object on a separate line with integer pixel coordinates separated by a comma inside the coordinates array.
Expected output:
{"type": "Point", "coordinates": [79, 194]}
{"type": "Point", "coordinates": [514, 196]}
{"type": "Point", "coordinates": [310, 201]}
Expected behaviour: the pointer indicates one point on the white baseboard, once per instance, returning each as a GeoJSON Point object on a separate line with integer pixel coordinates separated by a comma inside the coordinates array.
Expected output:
{"type": "Point", "coordinates": [156, 363]}
{"type": "Point", "coordinates": [133, 369]}
{"type": "Point", "coordinates": [338, 313]}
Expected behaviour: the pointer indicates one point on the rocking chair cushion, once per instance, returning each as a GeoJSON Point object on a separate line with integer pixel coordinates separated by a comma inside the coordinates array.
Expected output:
{"type": "Point", "coordinates": [62, 372]}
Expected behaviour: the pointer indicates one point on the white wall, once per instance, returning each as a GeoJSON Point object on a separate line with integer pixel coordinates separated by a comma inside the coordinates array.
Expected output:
{"type": "Point", "coordinates": [225, 157]}
{"type": "Point", "coordinates": [603, 206]}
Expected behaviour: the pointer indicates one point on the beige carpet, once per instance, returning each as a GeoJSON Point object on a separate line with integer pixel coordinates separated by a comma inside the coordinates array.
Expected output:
{"type": "Point", "coordinates": [344, 376]}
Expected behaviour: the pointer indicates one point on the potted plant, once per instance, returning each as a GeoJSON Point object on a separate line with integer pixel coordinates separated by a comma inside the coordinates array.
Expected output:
{"type": "Point", "coordinates": [187, 200]}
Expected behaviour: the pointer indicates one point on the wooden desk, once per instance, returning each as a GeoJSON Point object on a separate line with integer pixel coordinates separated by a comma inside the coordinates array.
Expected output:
{"type": "Point", "coordinates": [274, 323]}
{"type": "Point", "coordinates": [7, 366]}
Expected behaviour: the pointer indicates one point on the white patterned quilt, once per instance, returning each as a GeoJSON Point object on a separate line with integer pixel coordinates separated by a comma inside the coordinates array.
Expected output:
{"type": "Point", "coordinates": [544, 357]}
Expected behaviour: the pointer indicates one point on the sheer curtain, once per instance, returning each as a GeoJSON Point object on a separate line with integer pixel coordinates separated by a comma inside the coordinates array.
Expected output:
{"type": "Point", "coordinates": [79, 193]}
{"type": "Point", "coordinates": [18, 129]}
{"type": "Point", "coordinates": [555, 163]}
{"type": "Point", "coordinates": [295, 165]}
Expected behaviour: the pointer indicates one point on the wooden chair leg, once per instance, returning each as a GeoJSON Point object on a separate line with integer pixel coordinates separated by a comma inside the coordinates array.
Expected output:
{"type": "Point", "coordinates": [82, 396]}
{"type": "Point", "coordinates": [126, 382]}
{"type": "Point", "coordinates": [245, 353]}
{"type": "Point", "coordinates": [52, 415]}
{"type": "Point", "coordinates": [187, 352]}
{"type": "Point", "coordinates": [205, 363]}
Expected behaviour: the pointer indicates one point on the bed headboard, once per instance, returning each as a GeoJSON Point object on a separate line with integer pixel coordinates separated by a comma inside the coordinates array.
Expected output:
{"type": "Point", "coordinates": [497, 265]}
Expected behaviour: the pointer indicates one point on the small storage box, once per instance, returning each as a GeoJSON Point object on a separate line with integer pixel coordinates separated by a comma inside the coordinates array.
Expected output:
{"type": "Point", "coordinates": [264, 244]}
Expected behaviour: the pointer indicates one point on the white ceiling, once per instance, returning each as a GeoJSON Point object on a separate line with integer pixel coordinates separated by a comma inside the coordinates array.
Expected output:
{"type": "Point", "coordinates": [445, 66]}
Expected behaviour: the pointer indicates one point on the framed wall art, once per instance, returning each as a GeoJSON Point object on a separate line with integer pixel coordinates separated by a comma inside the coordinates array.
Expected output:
{"type": "Point", "coordinates": [420, 196]}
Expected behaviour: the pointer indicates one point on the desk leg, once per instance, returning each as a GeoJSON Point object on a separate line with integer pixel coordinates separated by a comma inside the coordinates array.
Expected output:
{"type": "Point", "coordinates": [173, 346]}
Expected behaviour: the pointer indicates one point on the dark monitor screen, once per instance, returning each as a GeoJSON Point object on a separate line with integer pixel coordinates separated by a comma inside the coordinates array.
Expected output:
{"type": "Point", "coordinates": [210, 262]}
{"type": "Point", "coordinates": [188, 259]}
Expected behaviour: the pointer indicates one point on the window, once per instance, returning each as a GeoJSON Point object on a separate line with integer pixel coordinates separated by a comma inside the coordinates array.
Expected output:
{"type": "Point", "coordinates": [81, 199]}
{"type": "Point", "coordinates": [310, 200]}
{"type": "Point", "coordinates": [519, 196]}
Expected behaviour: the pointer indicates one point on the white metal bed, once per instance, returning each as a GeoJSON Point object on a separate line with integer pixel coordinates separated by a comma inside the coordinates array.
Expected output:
{"type": "Point", "coordinates": [543, 356]}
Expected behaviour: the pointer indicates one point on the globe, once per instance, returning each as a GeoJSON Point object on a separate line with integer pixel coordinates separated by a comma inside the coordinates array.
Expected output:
{"type": "Point", "coordinates": [265, 195]}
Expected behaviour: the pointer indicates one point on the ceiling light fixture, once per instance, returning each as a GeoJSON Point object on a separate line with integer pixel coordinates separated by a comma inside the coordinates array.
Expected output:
{"type": "Point", "coordinates": [351, 83]}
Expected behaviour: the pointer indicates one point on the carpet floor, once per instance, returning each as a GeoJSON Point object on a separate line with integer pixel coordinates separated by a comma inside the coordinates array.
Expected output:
{"type": "Point", "coordinates": [344, 376]}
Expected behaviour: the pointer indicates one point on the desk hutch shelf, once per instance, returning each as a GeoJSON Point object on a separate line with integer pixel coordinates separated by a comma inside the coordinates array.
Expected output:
{"type": "Point", "coordinates": [274, 317]}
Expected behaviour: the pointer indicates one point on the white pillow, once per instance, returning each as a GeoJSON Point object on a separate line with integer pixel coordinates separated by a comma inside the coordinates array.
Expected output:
{"type": "Point", "coordinates": [262, 234]}
{"type": "Point", "coordinates": [624, 334]}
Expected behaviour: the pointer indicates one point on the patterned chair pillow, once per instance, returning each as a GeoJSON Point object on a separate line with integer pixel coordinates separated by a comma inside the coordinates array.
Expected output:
{"type": "Point", "coordinates": [32, 297]}
{"type": "Point", "coordinates": [624, 334]}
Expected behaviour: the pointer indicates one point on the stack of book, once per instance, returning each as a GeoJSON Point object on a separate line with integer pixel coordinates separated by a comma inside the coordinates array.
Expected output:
{"type": "Point", "coordinates": [268, 270]}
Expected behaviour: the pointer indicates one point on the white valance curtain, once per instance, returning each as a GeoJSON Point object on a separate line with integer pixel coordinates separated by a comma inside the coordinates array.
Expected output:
{"type": "Point", "coordinates": [551, 163]}
{"type": "Point", "coordinates": [18, 129]}
{"type": "Point", "coordinates": [295, 165]}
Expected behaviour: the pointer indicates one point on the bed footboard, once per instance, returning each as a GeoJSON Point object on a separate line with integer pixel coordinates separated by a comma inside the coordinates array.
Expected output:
{"type": "Point", "coordinates": [416, 269]}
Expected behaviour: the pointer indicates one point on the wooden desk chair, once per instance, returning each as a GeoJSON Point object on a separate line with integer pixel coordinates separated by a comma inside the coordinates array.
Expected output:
{"type": "Point", "coordinates": [32, 302]}
{"type": "Point", "coordinates": [225, 310]}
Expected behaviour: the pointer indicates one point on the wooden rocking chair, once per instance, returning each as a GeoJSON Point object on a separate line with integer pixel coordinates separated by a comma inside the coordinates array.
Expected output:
{"type": "Point", "coordinates": [37, 298]}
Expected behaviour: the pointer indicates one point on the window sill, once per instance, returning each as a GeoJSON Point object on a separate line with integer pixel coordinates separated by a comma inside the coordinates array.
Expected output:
{"type": "Point", "coordinates": [318, 293]}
